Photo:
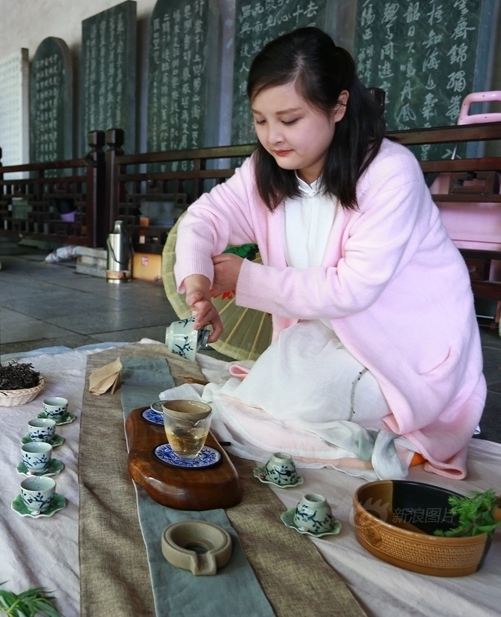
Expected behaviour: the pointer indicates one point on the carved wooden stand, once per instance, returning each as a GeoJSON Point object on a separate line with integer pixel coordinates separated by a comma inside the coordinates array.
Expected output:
{"type": "Point", "coordinates": [183, 489]}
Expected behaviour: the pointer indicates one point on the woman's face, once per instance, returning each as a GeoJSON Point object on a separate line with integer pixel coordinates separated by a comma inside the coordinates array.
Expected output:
{"type": "Point", "coordinates": [296, 134]}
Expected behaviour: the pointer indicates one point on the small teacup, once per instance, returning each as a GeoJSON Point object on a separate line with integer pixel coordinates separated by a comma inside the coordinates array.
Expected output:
{"type": "Point", "coordinates": [186, 425]}
{"type": "Point", "coordinates": [183, 340]}
{"type": "Point", "coordinates": [313, 514]}
{"type": "Point", "coordinates": [36, 455]}
{"type": "Point", "coordinates": [56, 407]}
{"type": "Point", "coordinates": [281, 469]}
{"type": "Point", "coordinates": [37, 493]}
{"type": "Point", "coordinates": [41, 429]}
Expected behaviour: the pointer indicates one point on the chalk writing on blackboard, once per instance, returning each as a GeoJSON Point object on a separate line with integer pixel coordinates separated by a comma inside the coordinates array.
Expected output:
{"type": "Point", "coordinates": [51, 103]}
{"type": "Point", "coordinates": [258, 22]}
{"type": "Point", "coordinates": [108, 70]}
{"type": "Point", "coordinates": [182, 61]}
{"type": "Point", "coordinates": [423, 54]}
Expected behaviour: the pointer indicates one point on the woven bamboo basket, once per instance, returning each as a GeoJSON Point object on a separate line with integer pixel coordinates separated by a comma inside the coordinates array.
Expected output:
{"type": "Point", "coordinates": [395, 520]}
{"type": "Point", "coordinates": [12, 398]}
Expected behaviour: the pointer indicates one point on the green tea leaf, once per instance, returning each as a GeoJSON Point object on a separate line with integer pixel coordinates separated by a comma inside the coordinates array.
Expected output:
{"type": "Point", "coordinates": [34, 602]}
{"type": "Point", "coordinates": [474, 515]}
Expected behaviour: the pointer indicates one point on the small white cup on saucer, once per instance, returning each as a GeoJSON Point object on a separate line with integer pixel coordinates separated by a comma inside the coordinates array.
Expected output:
{"type": "Point", "coordinates": [281, 469]}
{"type": "Point", "coordinates": [55, 407]}
{"type": "Point", "coordinates": [183, 340]}
{"type": "Point", "coordinates": [36, 455]}
{"type": "Point", "coordinates": [313, 514]}
{"type": "Point", "coordinates": [37, 493]}
{"type": "Point", "coordinates": [41, 429]}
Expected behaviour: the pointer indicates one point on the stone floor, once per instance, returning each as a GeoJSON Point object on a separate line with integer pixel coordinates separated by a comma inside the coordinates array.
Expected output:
{"type": "Point", "coordinates": [43, 305]}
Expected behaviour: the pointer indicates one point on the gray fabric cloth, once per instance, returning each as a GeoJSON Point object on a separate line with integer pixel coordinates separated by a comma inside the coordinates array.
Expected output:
{"type": "Point", "coordinates": [114, 577]}
{"type": "Point", "coordinates": [177, 592]}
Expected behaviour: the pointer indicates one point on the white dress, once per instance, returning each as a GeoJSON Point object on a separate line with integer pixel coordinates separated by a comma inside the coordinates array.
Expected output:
{"type": "Point", "coordinates": [307, 375]}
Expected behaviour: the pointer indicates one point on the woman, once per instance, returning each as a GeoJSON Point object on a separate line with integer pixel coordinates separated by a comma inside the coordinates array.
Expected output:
{"type": "Point", "coordinates": [376, 349]}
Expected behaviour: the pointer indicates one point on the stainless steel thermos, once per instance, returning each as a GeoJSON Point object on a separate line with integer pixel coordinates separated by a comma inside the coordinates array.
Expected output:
{"type": "Point", "coordinates": [118, 254]}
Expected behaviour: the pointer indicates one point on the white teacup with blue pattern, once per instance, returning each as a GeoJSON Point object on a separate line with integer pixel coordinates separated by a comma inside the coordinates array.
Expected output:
{"type": "Point", "coordinates": [183, 340]}
{"type": "Point", "coordinates": [36, 455]}
{"type": "Point", "coordinates": [55, 407]}
{"type": "Point", "coordinates": [281, 469]}
{"type": "Point", "coordinates": [41, 429]}
{"type": "Point", "coordinates": [313, 514]}
{"type": "Point", "coordinates": [37, 493]}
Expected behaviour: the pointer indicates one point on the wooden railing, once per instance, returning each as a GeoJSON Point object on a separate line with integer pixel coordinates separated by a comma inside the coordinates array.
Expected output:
{"type": "Point", "coordinates": [149, 191]}
{"type": "Point", "coordinates": [58, 201]}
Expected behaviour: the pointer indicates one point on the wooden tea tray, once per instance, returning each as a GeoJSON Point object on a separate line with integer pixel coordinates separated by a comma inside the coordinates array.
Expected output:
{"type": "Point", "coordinates": [183, 489]}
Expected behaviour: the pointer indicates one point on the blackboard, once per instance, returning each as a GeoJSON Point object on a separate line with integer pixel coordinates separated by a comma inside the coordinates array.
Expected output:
{"type": "Point", "coordinates": [257, 23]}
{"type": "Point", "coordinates": [108, 73]}
{"type": "Point", "coordinates": [427, 55]}
{"type": "Point", "coordinates": [183, 78]}
{"type": "Point", "coordinates": [51, 102]}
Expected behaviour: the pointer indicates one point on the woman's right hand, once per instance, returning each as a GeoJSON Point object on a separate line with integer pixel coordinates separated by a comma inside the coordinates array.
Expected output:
{"type": "Point", "coordinates": [198, 298]}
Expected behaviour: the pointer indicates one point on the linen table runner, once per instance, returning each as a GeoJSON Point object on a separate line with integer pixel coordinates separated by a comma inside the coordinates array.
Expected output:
{"type": "Point", "coordinates": [114, 569]}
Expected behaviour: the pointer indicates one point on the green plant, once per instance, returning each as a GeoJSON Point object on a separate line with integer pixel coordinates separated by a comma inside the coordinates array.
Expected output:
{"type": "Point", "coordinates": [247, 251]}
{"type": "Point", "coordinates": [30, 603]}
{"type": "Point", "coordinates": [474, 515]}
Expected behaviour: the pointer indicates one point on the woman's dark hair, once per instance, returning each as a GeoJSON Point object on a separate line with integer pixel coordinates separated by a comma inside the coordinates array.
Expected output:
{"type": "Point", "coordinates": [320, 70]}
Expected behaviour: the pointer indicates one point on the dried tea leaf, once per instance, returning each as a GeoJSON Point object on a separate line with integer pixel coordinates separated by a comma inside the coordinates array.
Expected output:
{"type": "Point", "coordinates": [18, 375]}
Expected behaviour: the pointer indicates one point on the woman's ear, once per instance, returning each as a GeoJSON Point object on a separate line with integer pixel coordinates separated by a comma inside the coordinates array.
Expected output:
{"type": "Point", "coordinates": [340, 108]}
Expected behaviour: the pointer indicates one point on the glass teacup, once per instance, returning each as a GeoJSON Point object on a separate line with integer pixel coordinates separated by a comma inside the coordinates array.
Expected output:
{"type": "Point", "coordinates": [186, 425]}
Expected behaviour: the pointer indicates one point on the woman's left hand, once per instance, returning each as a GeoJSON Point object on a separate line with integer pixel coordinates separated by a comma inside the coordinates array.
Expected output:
{"type": "Point", "coordinates": [226, 270]}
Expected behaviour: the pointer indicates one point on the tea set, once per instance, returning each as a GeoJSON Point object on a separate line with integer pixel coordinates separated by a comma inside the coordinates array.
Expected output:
{"type": "Point", "coordinates": [186, 424]}
{"type": "Point", "coordinates": [280, 471]}
{"type": "Point", "coordinates": [56, 408]}
{"type": "Point", "coordinates": [182, 339]}
{"type": "Point", "coordinates": [38, 497]}
{"type": "Point", "coordinates": [198, 546]}
{"type": "Point", "coordinates": [312, 515]}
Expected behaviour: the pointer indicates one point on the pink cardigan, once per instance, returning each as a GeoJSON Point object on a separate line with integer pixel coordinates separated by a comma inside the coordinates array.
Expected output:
{"type": "Point", "coordinates": [392, 282]}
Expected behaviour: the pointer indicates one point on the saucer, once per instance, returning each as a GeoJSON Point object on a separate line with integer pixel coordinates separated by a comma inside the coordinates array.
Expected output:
{"type": "Point", "coordinates": [66, 419]}
{"type": "Point", "coordinates": [55, 441]}
{"type": "Point", "coordinates": [287, 518]}
{"type": "Point", "coordinates": [154, 414]}
{"type": "Point", "coordinates": [57, 503]}
{"type": "Point", "coordinates": [208, 457]}
{"type": "Point", "coordinates": [260, 474]}
{"type": "Point", "coordinates": [53, 468]}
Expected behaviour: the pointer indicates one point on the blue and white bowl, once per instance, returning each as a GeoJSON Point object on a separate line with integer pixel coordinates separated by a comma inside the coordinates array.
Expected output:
{"type": "Point", "coordinates": [41, 429]}
{"type": "Point", "coordinates": [313, 514]}
{"type": "Point", "coordinates": [183, 340]}
{"type": "Point", "coordinates": [55, 407]}
{"type": "Point", "coordinates": [37, 493]}
{"type": "Point", "coordinates": [36, 455]}
{"type": "Point", "coordinates": [280, 469]}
